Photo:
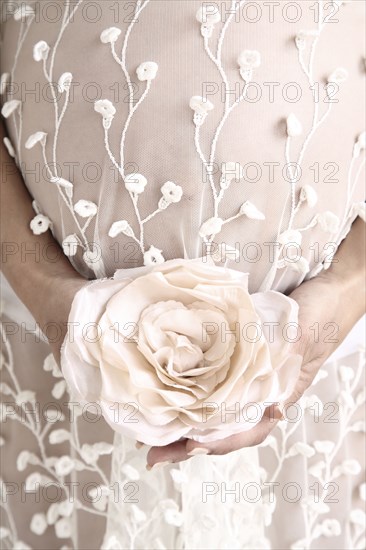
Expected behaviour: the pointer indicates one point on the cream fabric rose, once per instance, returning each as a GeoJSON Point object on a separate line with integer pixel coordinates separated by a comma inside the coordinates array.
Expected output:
{"type": "Point", "coordinates": [166, 350]}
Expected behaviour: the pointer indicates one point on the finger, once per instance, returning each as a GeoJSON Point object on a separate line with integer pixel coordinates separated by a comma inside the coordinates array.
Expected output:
{"type": "Point", "coordinates": [175, 452]}
{"type": "Point", "coordinates": [250, 438]}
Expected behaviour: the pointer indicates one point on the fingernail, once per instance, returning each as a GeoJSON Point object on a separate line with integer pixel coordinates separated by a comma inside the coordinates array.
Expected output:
{"type": "Point", "coordinates": [138, 444]}
{"type": "Point", "coordinates": [198, 451]}
{"type": "Point", "coordinates": [158, 465]}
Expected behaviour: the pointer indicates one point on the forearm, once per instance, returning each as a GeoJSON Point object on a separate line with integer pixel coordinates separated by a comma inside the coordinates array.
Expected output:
{"type": "Point", "coordinates": [348, 272]}
{"type": "Point", "coordinates": [33, 264]}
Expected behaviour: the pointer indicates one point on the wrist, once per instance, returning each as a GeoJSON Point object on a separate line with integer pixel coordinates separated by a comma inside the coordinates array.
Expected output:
{"type": "Point", "coordinates": [56, 296]}
{"type": "Point", "coordinates": [348, 287]}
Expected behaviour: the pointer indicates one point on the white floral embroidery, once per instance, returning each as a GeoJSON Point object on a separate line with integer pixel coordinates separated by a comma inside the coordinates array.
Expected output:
{"type": "Point", "coordinates": [64, 82]}
{"type": "Point", "coordinates": [110, 35]}
{"type": "Point", "coordinates": [171, 193]}
{"type": "Point", "coordinates": [208, 15]}
{"type": "Point", "coordinates": [24, 11]}
{"type": "Point", "coordinates": [9, 147]}
{"type": "Point", "coordinates": [294, 127]}
{"type": "Point", "coordinates": [308, 194]}
{"type": "Point", "coordinates": [5, 77]}
{"type": "Point", "coordinates": [135, 183]}
{"type": "Point", "coordinates": [38, 524]}
{"type": "Point", "coordinates": [248, 60]}
{"type": "Point", "coordinates": [38, 137]}
{"type": "Point", "coordinates": [40, 224]}
{"type": "Point", "coordinates": [251, 211]}
{"type": "Point", "coordinates": [147, 70]}
{"type": "Point", "coordinates": [121, 226]}
{"type": "Point", "coordinates": [338, 76]}
{"type": "Point", "coordinates": [211, 226]}
{"type": "Point", "coordinates": [10, 107]}
{"type": "Point", "coordinates": [41, 51]}
{"type": "Point", "coordinates": [153, 256]}
{"type": "Point", "coordinates": [85, 209]}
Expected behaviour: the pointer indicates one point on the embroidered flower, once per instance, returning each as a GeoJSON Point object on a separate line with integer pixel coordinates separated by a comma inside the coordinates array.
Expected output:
{"type": "Point", "coordinates": [50, 365]}
{"type": "Point", "coordinates": [251, 211]}
{"type": "Point", "coordinates": [300, 38]}
{"type": "Point", "coordinates": [40, 224]}
{"type": "Point", "coordinates": [64, 82]}
{"type": "Point", "coordinates": [40, 51]}
{"type": "Point", "coordinates": [5, 77]}
{"type": "Point", "coordinates": [208, 15]}
{"type": "Point", "coordinates": [324, 446]}
{"type": "Point", "coordinates": [9, 147]}
{"type": "Point", "coordinates": [200, 105]}
{"type": "Point", "coordinates": [173, 517]}
{"type": "Point", "coordinates": [130, 472]}
{"type": "Point", "coordinates": [147, 70]}
{"type": "Point", "coordinates": [85, 209]}
{"type": "Point", "coordinates": [309, 195]}
{"type": "Point", "coordinates": [328, 221]}
{"type": "Point", "coordinates": [301, 448]}
{"type": "Point", "coordinates": [230, 171]}
{"type": "Point", "coordinates": [107, 110]}
{"type": "Point", "coordinates": [248, 60]}
{"type": "Point", "coordinates": [212, 226]}
{"type": "Point", "coordinates": [346, 373]}
{"type": "Point", "coordinates": [66, 508]}
{"type": "Point", "coordinates": [294, 127]}
{"type": "Point", "coordinates": [330, 528]}
{"type": "Point", "coordinates": [59, 436]}
{"type": "Point", "coordinates": [351, 466]}
{"type": "Point", "coordinates": [290, 236]}
{"type": "Point", "coordinates": [110, 35]}
{"type": "Point", "coordinates": [10, 107]}
{"type": "Point", "coordinates": [23, 12]}
{"type": "Point", "coordinates": [360, 144]}
{"type": "Point", "coordinates": [38, 524]}
{"type": "Point", "coordinates": [63, 528]}
{"type": "Point", "coordinates": [70, 245]}
{"type": "Point", "coordinates": [38, 137]}
{"type": "Point", "coordinates": [59, 389]}
{"type": "Point", "coordinates": [23, 460]}
{"type": "Point", "coordinates": [64, 465]}
{"type": "Point", "coordinates": [92, 257]}
{"type": "Point", "coordinates": [33, 482]}
{"type": "Point", "coordinates": [338, 76]}
{"type": "Point", "coordinates": [25, 396]}
{"type": "Point", "coordinates": [153, 256]}
{"type": "Point", "coordinates": [171, 193]}
{"type": "Point", "coordinates": [135, 183]}
{"type": "Point", "coordinates": [121, 226]}
{"type": "Point", "coordinates": [361, 140]}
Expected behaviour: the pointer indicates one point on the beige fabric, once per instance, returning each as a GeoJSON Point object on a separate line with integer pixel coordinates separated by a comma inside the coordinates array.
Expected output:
{"type": "Point", "coordinates": [160, 144]}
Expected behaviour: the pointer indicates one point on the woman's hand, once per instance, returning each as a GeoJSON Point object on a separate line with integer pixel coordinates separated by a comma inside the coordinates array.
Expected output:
{"type": "Point", "coordinates": [329, 305]}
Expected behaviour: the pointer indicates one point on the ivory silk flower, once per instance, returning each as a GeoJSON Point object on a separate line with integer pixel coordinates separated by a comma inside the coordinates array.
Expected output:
{"type": "Point", "coordinates": [169, 350]}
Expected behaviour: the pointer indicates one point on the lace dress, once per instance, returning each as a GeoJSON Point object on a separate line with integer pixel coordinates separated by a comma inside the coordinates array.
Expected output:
{"type": "Point", "coordinates": [153, 130]}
